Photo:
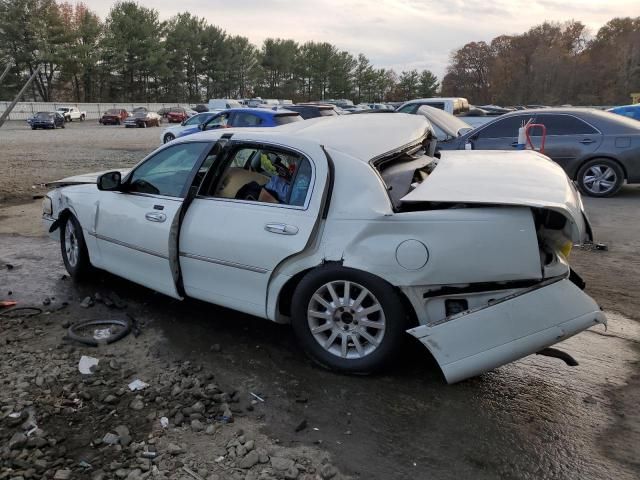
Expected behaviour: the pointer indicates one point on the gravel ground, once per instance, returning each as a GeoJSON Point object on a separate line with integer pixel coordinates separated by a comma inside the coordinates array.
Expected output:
{"type": "Point", "coordinates": [535, 418]}
{"type": "Point", "coordinates": [32, 157]}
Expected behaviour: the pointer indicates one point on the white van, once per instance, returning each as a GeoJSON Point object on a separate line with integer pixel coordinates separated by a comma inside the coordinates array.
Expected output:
{"type": "Point", "coordinates": [452, 105]}
{"type": "Point", "coordinates": [222, 104]}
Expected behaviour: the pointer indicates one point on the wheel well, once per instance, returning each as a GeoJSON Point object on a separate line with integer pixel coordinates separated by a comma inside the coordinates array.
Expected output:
{"type": "Point", "coordinates": [615, 160]}
{"type": "Point", "coordinates": [286, 296]}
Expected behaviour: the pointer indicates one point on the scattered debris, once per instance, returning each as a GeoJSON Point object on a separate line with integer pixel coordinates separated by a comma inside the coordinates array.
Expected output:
{"type": "Point", "coordinates": [137, 384]}
{"type": "Point", "coordinates": [21, 312]}
{"type": "Point", "coordinates": [110, 438]}
{"type": "Point", "coordinates": [87, 365]}
{"type": "Point", "coordinates": [192, 473]}
{"type": "Point", "coordinates": [256, 396]}
{"type": "Point", "coordinates": [301, 426]}
{"type": "Point", "coordinates": [8, 303]}
{"type": "Point", "coordinates": [87, 302]}
{"type": "Point", "coordinates": [164, 422]}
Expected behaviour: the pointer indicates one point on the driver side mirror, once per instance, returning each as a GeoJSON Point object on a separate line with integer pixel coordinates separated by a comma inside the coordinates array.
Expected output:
{"type": "Point", "coordinates": [110, 181]}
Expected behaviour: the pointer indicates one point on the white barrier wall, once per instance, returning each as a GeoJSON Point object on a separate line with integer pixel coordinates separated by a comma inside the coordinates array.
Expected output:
{"type": "Point", "coordinates": [24, 110]}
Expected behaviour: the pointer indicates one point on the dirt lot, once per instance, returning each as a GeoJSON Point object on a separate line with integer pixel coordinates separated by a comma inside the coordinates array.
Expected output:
{"type": "Point", "coordinates": [536, 418]}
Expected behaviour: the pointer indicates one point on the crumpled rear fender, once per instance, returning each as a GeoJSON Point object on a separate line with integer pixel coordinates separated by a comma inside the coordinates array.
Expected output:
{"type": "Point", "coordinates": [473, 342]}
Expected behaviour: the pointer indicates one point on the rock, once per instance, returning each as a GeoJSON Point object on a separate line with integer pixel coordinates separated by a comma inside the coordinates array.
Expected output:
{"type": "Point", "coordinates": [282, 464]}
{"type": "Point", "coordinates": [250, 445]}
{"type": "Point", "coordinates": [125, 440]}
{"type": "Point", "coordinates": [197, 426]}
{"type": "Point", "coordinates": [252, 458]}
{"type": "Point", "coordinates": [211, 429]}
{"type": "Point", "coordinates": [241, 451]}
{"type": "Point", "coordinates": [65, 324]}
{"type": "Point", "coordinates": [136, 404]}
{"type": "Point", "coordinates": [17, 441]}
{"type": "Point", "coordinates": [110, 438]}
{"type": "Point", "coordinates": [328, 471]}
{"type": "Point", "coordinates": [291, 473]}
{"type": "Point", "coordinates": [87, 302]}
{"type": "Point", "coordinates": [39, 381]}
{"type": "Point", "coordinates": [110, 399]}
{"type": "Point", "coordinates": [176, 390]}
{"type": "Point", "coordinates": [62, 475]}
{"type": "Point", "coordinates": [122, 430]}
{"type": "Point", "coordinates": [216, 347]}
{"type": "Point", "coordinates": [122, 473]}
{"type": "Point", "coordinates": [46, 301]}
{"type": "Point", "coordinates": [174, 449]}
{"type": "Point", "coordinates": [198, 407]}
{"type": "Point", "coordinates": [178, 419]}
{"type": "Point", "coordinates": [264, 456]}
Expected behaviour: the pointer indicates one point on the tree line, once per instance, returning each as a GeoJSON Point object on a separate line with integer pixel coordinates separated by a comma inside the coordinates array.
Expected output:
{"type": "Point", "coordinates": [551, 64]}
{"type": "Point", "coordinates": [132, 55]}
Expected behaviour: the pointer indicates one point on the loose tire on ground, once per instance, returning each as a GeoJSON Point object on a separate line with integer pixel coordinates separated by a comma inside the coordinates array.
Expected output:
{"type": "Point", "coordinates": [74, 249]}
{"type": "Point", "coordinates": [600, 177]}
{"type": "Point", "coordinates": [333, 302]}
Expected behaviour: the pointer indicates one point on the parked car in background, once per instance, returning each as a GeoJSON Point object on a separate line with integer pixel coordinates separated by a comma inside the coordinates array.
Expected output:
{"type": "Point", "coordinates": [599, 150]}
{"type": "Point", "coordinates": [349, 230]}
{"type": "Point", "coordinates": [245, 117]}
{"type": "Point", "coordinates": [379, 106]}
{"type": "Point", "coordinates": [308, 110]}
{"type": "Point", "coordinates": [170, 133]}
{"type": "Point", "coordinates": [177, 115]}
{"type": "Point", "coordinates": [71, 113]}
{"type": "Point", "coordinates": [452, 105]}
{"type": "Point", "coordinates": [113, 116]}
{"type": "Point", "coordinates": [201, 108]}
{"type": "Point", "coordinates": [47, 120]}
{"type": "Point", "coordinates": [143, 118]}
{"type": "Point", "coordinates": [631, 111]}
{"type": "Point", "coordinates": [219, 104]}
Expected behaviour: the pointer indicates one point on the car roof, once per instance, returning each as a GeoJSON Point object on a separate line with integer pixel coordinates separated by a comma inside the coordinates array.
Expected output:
{"type": "Point", "coordinates": [363, 137]}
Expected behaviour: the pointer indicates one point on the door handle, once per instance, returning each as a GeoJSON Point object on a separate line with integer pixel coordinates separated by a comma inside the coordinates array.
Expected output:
{"type": "Point", "coordinates": [281, 228]}
{"type": "Point", "coordinates": [155, 217]}
{"type": "Point", "coordinates": [587, 141]}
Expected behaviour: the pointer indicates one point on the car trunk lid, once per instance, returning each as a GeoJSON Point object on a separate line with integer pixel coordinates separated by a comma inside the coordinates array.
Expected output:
{"type": "Point", "coordinates": [523, 178]}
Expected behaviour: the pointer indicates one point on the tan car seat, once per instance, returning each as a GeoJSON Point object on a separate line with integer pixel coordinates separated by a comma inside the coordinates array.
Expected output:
{"type": "Point", "coordinates": [235, 179]}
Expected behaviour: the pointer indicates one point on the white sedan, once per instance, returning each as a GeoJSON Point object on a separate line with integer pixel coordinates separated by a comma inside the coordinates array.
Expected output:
{"type": "Point", "coordinates": [348, 229]}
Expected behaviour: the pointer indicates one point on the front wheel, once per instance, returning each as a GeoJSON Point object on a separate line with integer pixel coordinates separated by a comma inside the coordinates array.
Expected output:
{"type": "Point", "coordinates": [600, 177]}
{"type": "Point", "coordinates": [82, 118]}
{"type": "Point", "coordinates": [62, 125]}
{"type": "Point", "coordinates": [74, 250]}
{"type": "Point", "coordinates": [168, 137]}
{"type": "Point", "coordinates": [348, 320]}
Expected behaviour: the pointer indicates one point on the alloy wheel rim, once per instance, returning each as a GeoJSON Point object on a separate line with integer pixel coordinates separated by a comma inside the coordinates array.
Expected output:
{"type": "Point", "coordinates": [599, 179]}
{"type": "Point", "coordinates": [71, 244]}
{"type": "Point", "coordinates": [346, 319]}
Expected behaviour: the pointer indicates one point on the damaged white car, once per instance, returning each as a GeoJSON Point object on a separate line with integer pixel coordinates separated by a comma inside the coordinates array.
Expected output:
{"type": "Point", "coordinates": [351, 231]}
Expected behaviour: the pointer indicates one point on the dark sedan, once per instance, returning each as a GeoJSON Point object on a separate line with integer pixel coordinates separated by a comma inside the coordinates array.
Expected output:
{"type": "Point", "coordinates": [599, 150]}
{"type": "Point", "coordinates": [46, 120]}
{"type": "Point", "coordinates": [114, 116]}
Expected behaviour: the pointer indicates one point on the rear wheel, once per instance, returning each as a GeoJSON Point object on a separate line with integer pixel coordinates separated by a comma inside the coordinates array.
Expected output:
{"type": "Point", "coordinates": [82, 118]}
{"type": "Point", "coordinates": [600, 177]}
{"type": "Point", "coordinates": [348, 320]}
{"type": "Point", "coordinates": [62, 125]}
{"type": "Point", "coordinates": [168, 137]}
{"type": "Point", "coordinates": [74, 250]}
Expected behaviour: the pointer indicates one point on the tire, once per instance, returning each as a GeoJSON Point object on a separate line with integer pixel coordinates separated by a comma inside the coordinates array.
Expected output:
{"type": "Point", "coordinates": [365, 349]}
{"type": "Point", "coordinates": [118, 122]}
{"type": "Point", "coordinates": [168, 137]}
{"type": "Point", "coordinates": [62, 125]}
{"type": "Point", "coordinates": [33, 128]}
{"type": "Point", "coordinates": [600, 177]}
{"type": "Point", "coordinates": [73, 248]}
{"type": "Point", "coordinates": [82, 118]}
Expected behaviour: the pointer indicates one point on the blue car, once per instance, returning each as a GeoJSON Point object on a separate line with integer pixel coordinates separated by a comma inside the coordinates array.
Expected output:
{"type": "Point", "coordinates": [631, 111]}
{"type": "Point", "coordinates": [244, 117]}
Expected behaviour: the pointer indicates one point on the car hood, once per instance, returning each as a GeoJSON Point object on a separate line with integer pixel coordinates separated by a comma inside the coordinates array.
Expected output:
{"type": "Point", "coordinates": [84, 178]}
{"type": "Point", "coordinates": [524, 178]}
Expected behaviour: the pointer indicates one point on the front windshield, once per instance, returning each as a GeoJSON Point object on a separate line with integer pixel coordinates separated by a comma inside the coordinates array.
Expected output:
{"type": "Point", "coordinates": [44, 115]}
{"type": "Point", "coordinates": [140, 114]}
{"type": "Point", "coordinates": [113, 112]}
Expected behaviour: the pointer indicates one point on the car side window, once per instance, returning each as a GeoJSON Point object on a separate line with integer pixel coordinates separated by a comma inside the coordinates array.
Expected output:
{"type": "Point", "coordinates": [246, 120]}
{"type": "Point", "coordinates": [265, 175]}
{"type": "Point", "coordinates": [219, 121]}
{"type": "Point", "coordinates": [505, 127]}
{"type": "Point", "coordinates": [167, 172]}
{"type": "Point", "coordinates": [412, 108]}
{"type": "Point", "coordinates": [564, 125]}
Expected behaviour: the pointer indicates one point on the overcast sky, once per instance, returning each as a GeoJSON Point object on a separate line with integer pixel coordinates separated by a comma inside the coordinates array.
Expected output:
{"type": "Point", "coordinates": [399, 34]}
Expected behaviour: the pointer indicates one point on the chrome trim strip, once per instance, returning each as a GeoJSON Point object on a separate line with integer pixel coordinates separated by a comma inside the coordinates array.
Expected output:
{"type": "Point", "coordinates": [128, 245]}
{"type": "Point", "coordinates": [224, 262]}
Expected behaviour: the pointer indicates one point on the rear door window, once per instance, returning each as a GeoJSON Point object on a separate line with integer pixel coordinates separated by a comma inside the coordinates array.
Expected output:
{"type": "Point", "coordinates": [505, 127]}
{"type": "Point", "coordinates": [564, 125]}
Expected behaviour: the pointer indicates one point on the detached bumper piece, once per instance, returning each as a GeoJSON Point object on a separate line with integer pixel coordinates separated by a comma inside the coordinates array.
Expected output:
{"type": "Point", "coordinates": [522, 324]}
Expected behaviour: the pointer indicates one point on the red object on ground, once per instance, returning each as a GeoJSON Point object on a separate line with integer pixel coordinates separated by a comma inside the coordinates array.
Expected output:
{"type": "Point", "coordinates": [8, 303]}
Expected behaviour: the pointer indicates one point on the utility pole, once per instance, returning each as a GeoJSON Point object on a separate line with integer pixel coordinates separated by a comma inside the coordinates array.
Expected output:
{"type": "Point", "coordinates": [4, 74]}
{"type": "Point", "coordinates": [6, 113]}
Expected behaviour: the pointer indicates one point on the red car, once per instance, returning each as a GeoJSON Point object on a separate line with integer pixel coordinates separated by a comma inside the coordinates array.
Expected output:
{"type": "Point", "coordinates": [177, 115]}
{"type": "Point", "coordinates": [114, 116]}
